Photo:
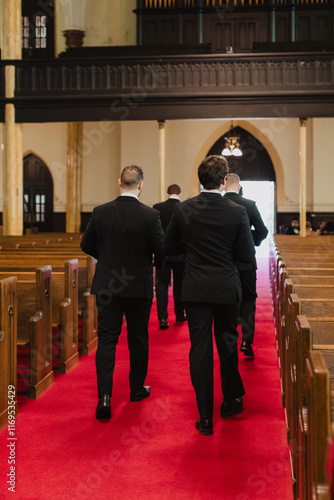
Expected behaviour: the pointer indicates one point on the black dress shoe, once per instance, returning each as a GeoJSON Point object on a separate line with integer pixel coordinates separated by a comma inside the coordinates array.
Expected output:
{"type": "Point", "coordinates": [141, 394]}
{"type": "Point", "coordinates": [231, 407]}
{"type": "Point", "coordinates": [205, 426]}
{"type": "Point", "coordinates": [163, 324]}
{"type": "Point", "coordinates": [246, 348]}
{"type": "Point", "coordinates": [181, 319]}
{"type": "Point", "coordinates": [103, 409]}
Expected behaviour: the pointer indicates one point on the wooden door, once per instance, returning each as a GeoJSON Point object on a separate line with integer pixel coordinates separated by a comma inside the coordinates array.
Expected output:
{"type": "Point", "coordinates": [38, 195]}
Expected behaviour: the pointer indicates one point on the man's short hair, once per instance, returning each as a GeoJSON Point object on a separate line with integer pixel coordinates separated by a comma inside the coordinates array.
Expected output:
{"type": "Point", "coordinates": [131, 176]}
{"type": "Point", "coordinates": [174, 189]}
{"type": "Point", "coordinates": [212, 171]}
{"type": "Point", "coordinates": [232, 180]}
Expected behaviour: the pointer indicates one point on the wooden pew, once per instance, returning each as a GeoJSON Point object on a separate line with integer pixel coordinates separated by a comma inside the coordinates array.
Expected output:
{"type": "Point", "coordinates": [8, 338]}
{"type": "Point", "coordinates": [65, 313]}
{"type": "Point", "coordinates": [86, 303]}
{"type": "Point", "coordinates": [87, 308]}
{"type": "Point", "coordinates": [318, 404]}
{"type": "Point", "coordinates": [315, 276]}
{"type": "Point", "coordinates": [316, 336]}
{"type": "Point", "coordinates": [320, 312]}
{"type": "Point", "coordinates": [316, 303]}
{"type": "Point", "coordinates": [34, 326]}
{"type": "Point", "coordinates": [64, 310]}
{"type": "Point", "coordinates": [315, 269]}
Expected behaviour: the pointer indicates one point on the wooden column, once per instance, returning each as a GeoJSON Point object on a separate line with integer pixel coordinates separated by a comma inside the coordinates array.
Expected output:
{"type": "Point", "coordinates": [162, 156]}
{"type": "Point", "coordinates": [73, 178]}
{"type": "Point", "coordinates": [12, 154]}
{"type": "Point", "coordinates": [302, 192]}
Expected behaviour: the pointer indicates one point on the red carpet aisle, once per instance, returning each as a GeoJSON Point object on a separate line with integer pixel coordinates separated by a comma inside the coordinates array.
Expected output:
{"type": "Point", "coordinates": [151, 449]}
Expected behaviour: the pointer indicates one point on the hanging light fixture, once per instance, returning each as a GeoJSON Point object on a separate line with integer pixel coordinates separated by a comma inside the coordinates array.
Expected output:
{"type": "Point", "coordinates": [232, 146]}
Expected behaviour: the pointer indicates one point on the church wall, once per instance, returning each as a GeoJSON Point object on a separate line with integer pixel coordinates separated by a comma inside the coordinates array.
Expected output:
{"type": "Point", "coordinates": [140, 146]}
{"type": "Point", "coordinates": [188, 142]}
{"type": "Point", "coordinates": [115, 20]}
{"type": "Point", "coordinates": [101, 163]}
{"type": "Point", "coordinates": [323, 157]}
{"type": "Point", "coordinates": [48, 141]}
{"type": "Point", "coordinates": [110, 146]}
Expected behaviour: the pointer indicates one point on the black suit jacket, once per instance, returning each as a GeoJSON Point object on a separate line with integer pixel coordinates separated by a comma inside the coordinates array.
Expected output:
{"type": "Point", "coordinates": [215, 233]}
{"type": "Point", "coordinates": [166, 209]}
{"type": "Point", "coordinates": [259, 230]}
{"type": "Point", "coordinates": [123, 234]}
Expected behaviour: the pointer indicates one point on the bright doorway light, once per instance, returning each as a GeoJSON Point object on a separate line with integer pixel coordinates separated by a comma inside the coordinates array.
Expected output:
{"type": "Point", "coordinates": [263, 193]}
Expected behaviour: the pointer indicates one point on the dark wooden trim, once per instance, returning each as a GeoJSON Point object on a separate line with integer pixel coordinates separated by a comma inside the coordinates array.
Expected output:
{"type": "Point", "coordinates": [59, 222]}
{"type": "Point", "coordinates": [174, 108]}
{"type": "Point", "coordinates": [172, 87]}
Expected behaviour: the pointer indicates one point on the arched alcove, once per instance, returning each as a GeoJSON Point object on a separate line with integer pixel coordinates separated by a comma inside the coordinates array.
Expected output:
{"type": "Point", "coordinates": [37, 194]}
{"type": "Point", "coordinates": [255, 163]}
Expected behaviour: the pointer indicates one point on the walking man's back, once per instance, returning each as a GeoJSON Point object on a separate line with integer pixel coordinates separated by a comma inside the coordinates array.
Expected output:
{"type": "Point", "coordinates": [123, 235]}
{"type": "Point", "coordinates": [247, 272]}
{"type": "Point", "coordinates": [214, 232]}
{"type": "Point", "coordinates": [173, 264]}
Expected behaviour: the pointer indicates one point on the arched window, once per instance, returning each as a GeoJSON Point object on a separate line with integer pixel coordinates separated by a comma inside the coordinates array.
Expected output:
{"type": "Point", "coordinates": [38, 194]}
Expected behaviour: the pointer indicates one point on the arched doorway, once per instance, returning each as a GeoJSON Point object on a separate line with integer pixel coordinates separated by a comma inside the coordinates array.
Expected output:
{"type": "Point", "coordinates": [256, 171]}
{"type": "Point", "coordinates": [255, 163]}
{"type": "Point", "coordinates": [37, 195]}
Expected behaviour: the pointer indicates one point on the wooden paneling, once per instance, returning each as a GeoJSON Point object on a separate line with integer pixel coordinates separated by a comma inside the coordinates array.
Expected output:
{"type": "Point", "coordinates": [238, 24]}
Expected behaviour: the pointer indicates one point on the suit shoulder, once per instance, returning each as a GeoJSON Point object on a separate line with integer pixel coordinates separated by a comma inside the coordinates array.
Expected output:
{"type": "Point", "coordinates": [104, 206]}
{"type": "Point", "coordinates": [158, 206]}
{"type": "Point", "coordinates": [233, 203]}
{"type": "Point", "coordinates": [249, 202]}
{"type": "Point", "coordinates": [148, 210]}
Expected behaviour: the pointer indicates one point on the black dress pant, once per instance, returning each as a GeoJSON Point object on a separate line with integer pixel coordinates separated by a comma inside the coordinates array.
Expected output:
{"type": "Point", "coordinates": [163, 278]}
{"type": "Point", "coordinates": [248, 304]}
{"type": "Point", "coordinates": [201, 317]}
{"type": "Point", "coordinates": [110, 318]}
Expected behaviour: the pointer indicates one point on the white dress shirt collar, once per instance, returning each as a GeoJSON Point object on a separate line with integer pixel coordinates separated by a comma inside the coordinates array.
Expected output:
{"type": "Point", "coordinates": [210, 191]}
{"type": "Point", "coordinates": [130, 194]}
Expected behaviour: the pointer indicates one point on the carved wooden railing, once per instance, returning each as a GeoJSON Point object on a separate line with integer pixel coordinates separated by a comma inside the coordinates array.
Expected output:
{"type": "Point", "coordinates": [171, 87]}
{"type": "Point", "coordinates": [223, 74]}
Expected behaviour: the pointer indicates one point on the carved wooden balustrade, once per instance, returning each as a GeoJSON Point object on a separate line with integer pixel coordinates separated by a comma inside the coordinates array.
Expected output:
{"type": "Point", "coordinates": [190, 86]}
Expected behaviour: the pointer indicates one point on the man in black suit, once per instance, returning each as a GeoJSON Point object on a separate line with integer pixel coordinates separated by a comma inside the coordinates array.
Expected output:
{"type": "Point", "coordinates": [175, 263]}
{"type": "Point", "coordinates": [294, 227]}
{"type": "Point", "coordinates": [247, 271]}
{"type": "Point", "coordinates": [123, 235]}
{"type": "Point", "coordinates": [214, 232]}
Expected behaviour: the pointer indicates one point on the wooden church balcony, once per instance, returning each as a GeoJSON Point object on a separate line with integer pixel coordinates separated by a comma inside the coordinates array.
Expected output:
{"type": "Point", "coordinates": [174, 87]}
